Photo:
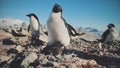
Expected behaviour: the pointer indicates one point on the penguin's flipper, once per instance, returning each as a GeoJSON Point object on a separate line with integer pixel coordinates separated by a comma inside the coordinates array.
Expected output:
{"type": "Point", "coordinates": [71, 30]}
{"type": "Point", "coordinates": [28, 28]}
{"type": "Point", "coordinates": [104, 35]}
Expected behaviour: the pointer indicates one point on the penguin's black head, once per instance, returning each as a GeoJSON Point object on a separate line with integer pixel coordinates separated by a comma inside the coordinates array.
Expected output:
{"type": "Point", "coordinates": [31, 14]}
{"type": "Point", "coordinates": [57, 8]}
{"type": "Point", "coordinates": [110, 25]}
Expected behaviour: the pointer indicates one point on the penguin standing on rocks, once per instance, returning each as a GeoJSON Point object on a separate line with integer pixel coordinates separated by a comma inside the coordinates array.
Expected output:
{"type": "Point", "coordinates": [58, 29]}
{"type": "Point", "coordinates": [110, 34]}
{"type": "Point", "coordinates": [34, 26]}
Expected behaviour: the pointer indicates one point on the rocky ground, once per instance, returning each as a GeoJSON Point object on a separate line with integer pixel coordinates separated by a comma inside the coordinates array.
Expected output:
{"type": "Point", "coordinates": [82, 53]}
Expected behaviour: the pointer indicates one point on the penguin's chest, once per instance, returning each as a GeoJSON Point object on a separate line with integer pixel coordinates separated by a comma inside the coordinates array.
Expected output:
{"type": "Point", "coordinates": [112, 36]}
{"type": "Point", "coordinates": [58, 31]}
{"type": "Point", "coordinates": [34, 24]}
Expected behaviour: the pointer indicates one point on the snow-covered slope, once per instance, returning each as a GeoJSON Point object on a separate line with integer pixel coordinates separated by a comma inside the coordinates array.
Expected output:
{"type": "Point", "coordinates": [94, 30]}
{"type": "Point", "coordinates": [90, 36]}
{"type": "Point", "coordinates": [10, 22]}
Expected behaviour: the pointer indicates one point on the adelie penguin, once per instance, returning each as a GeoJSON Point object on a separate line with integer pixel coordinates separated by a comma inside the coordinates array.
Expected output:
{"type": "Point", "coordinates": [110, 34]}
{"type": "Point", "coordinates": [58, 29]}
{"type": "Point", "coordinates": [34, 26]}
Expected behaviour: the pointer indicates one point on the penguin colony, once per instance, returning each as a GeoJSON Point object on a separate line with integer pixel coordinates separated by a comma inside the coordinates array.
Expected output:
{"type": "Point", "coordinates": [59, 31]}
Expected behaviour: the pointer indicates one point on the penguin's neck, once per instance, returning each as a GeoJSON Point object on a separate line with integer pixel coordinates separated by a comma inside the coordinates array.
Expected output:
{"type": "Point", "coordinates": [33, 22]}
{"type": "Point", "coordinates": [55, 15]}
{"type": "Point", "coordinates": [32, 19]}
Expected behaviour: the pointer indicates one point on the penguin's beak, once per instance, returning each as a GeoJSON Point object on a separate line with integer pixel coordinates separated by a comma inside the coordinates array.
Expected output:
{"type": "Point", "coordinates": [28, 15]}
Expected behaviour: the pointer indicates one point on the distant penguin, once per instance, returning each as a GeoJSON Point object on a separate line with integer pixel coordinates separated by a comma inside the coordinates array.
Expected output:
{"type": "Point", "coordinates": [34, 26]}
{"type": "Point", "coordinates": [110, 34]}
{"type": "Point", "coordinates": [58, 29]}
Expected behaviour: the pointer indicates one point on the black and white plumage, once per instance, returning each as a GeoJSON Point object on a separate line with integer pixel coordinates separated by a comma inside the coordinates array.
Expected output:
{"type": "Point", "coordinates": [34, 26]}
{"type": "Point", "coordinates": [110, 34]}
{"type": "Point", "coordinates": [58, 29]}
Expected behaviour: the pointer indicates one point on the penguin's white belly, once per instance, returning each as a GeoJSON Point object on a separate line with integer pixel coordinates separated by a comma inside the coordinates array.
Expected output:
{"type": "Point", "coordinates": [58, 32]}
{"type": "Point", "coordinates": [34, 27]}
{"type": "Point", "coordinates": [112, 36]}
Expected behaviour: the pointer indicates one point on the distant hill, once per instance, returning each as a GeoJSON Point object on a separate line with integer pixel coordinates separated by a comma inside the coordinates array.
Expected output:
{"type": "Point", "coordinates": [94, 30]}
{"type": "Point", "coordinates": [90, 36]}
{"type": "Point", "coordinates": [11, 22]}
